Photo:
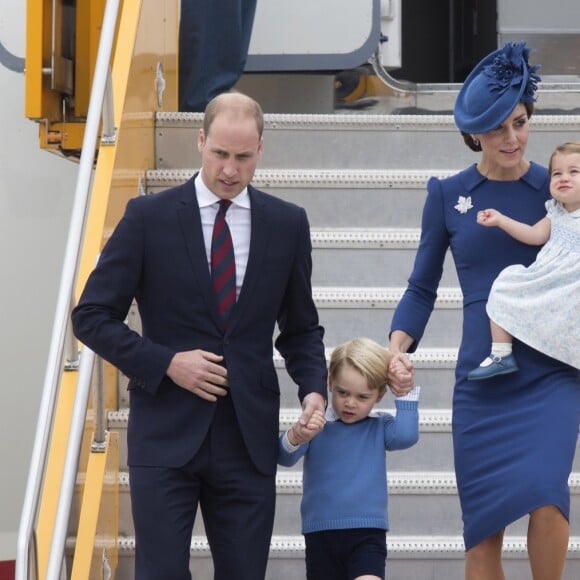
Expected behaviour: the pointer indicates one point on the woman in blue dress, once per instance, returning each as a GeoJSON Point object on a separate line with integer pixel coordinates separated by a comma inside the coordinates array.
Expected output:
{"type": "Point", "coordinates": [514, 435]}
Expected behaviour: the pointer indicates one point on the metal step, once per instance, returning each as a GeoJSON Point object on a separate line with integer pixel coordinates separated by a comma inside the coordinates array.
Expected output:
{"type": "Point", "coordinates": [420, 503]}
{"type": "Point", "coordinates": [368, 257]}
{"type": "Point", "coordinates": [361, 141]}
{"type": "Point", "coordinates": [434, 370]}
{"type": "Point", "coordinates": [382, 298]}
{"type": "Point", "coordinates": [335, 198]}
{"type": "Point", "coordinates": [346, 312]}
{"type": "Point", "coordinates": [409, 557]}
{"type": "Point", "coordinates": [333, 179]}
{"type": "Point", "coordinates": [432, 452]}
{"type": "Point", "coordinates": [349, 312]}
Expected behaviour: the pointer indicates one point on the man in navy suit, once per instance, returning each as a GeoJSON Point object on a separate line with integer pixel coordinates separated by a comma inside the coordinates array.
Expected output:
{"type": "Point", "coordinates": [204, 396]}
{"type": "Point", "coordinates": [214, 37]}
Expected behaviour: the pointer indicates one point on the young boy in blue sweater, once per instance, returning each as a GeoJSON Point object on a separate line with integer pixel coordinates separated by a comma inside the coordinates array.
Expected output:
{"type": "Point", "coordinates": [344, 502]}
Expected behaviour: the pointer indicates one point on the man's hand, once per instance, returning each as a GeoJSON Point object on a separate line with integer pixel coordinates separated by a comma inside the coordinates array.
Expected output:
{"type": "Point", "coordinates": [401, 375]}
{"type": "Point", "coordinates": [299, 434]}
{"type": "Point", "coordinates": [311, 403]}
{"type": "Point", "coordinates": [199, 372]}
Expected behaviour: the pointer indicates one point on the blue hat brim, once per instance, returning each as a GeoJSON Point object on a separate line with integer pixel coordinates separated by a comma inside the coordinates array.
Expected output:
{"type": "Point", "coordinates": [469, 114]}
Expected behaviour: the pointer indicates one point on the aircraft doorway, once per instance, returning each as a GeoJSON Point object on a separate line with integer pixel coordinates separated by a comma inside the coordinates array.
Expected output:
{"type": "Point", "coordinates": [442, 41]}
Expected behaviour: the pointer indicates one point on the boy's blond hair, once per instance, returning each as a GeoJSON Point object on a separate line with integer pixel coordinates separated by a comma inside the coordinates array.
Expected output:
{"type": "Point", "coordinates": [367, 357]}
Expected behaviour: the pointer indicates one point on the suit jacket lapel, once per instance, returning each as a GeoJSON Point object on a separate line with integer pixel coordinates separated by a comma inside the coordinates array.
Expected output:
{"type": "Point", "coordinates": [189, 219]}
{"type": "Point", "coordinates": [258, 242]}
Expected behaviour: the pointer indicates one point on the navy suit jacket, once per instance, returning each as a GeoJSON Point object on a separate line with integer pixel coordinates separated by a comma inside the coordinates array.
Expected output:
{"type": "Point", "coordinates": [157, 256]}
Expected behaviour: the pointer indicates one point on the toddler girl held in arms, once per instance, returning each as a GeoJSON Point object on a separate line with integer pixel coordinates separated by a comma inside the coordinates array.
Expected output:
{"type": "Point", "coordinates": [538, 304]}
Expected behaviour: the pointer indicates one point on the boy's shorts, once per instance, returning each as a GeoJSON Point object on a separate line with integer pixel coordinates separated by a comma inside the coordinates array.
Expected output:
{"type": "Point", "coordinates": [345, 554]}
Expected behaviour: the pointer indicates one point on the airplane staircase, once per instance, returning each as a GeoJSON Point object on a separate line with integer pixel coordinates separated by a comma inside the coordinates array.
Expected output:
{"type": "Point", "coordinates": [361, 177]}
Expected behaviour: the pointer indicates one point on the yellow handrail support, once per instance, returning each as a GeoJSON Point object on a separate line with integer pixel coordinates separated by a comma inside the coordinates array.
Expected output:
{"type": "Point", "coordinates": [146, 47]}
{"type": "Point", "coordinates": [149, 30]}
{"type": "Point", "coordinates": [96, 552]}
{"type": "Point", "coordinates": [59, 70]}
{"type": "Point", "coordinates": [54, 469]}
{"type": "Point", "coordinates": [39, 99]}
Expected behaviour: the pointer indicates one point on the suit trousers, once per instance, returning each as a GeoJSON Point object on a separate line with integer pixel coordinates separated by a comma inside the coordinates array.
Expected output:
{"type": "Point", "coordinates": [214, 37]}
{"type": "Point", "coordinates": [237, 503]}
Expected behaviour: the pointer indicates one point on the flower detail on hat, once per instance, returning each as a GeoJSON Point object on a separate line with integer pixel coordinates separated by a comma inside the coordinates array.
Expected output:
{"type": "Point", "coordinates": [507, 70]}
{"type": "Point", "coordinates": [463, 204]}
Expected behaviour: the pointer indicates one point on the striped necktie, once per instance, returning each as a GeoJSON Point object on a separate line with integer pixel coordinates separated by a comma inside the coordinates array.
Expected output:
{"type": "Point", "coordinates": [223, 265]}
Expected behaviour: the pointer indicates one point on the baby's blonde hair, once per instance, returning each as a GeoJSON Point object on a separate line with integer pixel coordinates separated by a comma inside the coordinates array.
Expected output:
{"type": "Point", "coordinates": [367, 357]}
{"type": "Point", "coordinates": [564, 148]}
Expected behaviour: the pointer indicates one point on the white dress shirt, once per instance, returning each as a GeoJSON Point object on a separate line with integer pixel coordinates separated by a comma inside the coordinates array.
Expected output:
{"type": "Point", "coordinates": [239, 220]}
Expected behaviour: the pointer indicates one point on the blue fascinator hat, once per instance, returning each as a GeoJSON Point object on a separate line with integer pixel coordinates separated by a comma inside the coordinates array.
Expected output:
{"type": "Point", "coordinates": [494, 87]}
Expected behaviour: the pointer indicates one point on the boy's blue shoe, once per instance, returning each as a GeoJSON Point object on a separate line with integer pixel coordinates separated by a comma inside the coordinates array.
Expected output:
{"type": "Point", "coordinates": [499, 366]}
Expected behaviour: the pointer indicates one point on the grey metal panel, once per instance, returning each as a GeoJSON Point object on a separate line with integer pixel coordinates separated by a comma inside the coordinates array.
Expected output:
{"type": "Point", "coordinates": [558, 53]}
{"type": "Point", "coordinates": [290, 92]}
{"type": "Point", "coordinates": [562, 16]}
{"type": "Point", "coordinates": [327, 46]}
{"type": "Point", "coordinates": [444, 329]}
{"type": "Point", "coordinates": [551, 29]}
{"type": "Point", "coordinates": [389, 267]}
{"type": "Point", "coordinates": [315, 62]}
{"type": "Point", "coordinates": [357, 207]}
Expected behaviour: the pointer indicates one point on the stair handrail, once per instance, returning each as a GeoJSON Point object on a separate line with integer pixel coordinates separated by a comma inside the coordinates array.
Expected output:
{"type": "Point", "coordinates": [61, 321]}
{"type": "Point", "coordinates": [67, 488]}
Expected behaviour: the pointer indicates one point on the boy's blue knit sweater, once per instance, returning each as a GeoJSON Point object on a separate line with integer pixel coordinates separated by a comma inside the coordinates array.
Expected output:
{"type": "Point", "coordinates": [345, 469]}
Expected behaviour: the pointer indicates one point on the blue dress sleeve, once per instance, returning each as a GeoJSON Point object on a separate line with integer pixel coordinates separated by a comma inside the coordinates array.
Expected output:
{"type": "Point", "coordinates": [416, 305]}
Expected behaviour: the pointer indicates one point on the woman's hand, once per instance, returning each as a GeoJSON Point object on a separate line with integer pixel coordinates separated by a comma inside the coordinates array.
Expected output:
{"type": "Point", "coordinates": [401, 371]}
{"type": "Point", "coordinates": [401, 375]}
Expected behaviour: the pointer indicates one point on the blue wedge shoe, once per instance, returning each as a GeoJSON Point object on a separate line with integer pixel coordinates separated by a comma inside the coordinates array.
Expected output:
{"type": "Point", "coordinates": [499, 366]}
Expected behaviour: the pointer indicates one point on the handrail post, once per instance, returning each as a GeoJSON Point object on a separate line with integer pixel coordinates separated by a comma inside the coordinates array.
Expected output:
{"type": "Point", "coordinates": [71, 358]}
{"type": "Point", "coordinates": [99, 438]}
{"type": "Point", "coordinates": [68, 275]}
{"type": "Point", "coordinates": [56, 555]}
{"type": "Point", "coordinates": [109, 134]}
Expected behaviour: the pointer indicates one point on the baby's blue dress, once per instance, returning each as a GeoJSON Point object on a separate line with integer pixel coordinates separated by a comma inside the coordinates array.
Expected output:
{"type": "Point", "coordinates": [538, 304]}
{"type": "Point", "coordinates": [514, 436]}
